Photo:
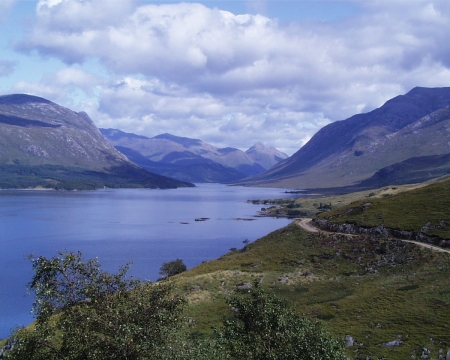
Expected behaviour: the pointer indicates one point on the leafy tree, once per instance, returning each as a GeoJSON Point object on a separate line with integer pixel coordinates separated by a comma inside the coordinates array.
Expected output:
{"type": "Point", "coordinates": [85, 313]}
{"type": "Point", "coordinates": [264, 327]}
{"type": "Point", "coordinates": [172, 268]}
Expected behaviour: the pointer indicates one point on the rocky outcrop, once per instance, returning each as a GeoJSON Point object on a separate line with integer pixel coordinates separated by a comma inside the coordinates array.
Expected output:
{"type": "Point", "coordinates": [380, 231]}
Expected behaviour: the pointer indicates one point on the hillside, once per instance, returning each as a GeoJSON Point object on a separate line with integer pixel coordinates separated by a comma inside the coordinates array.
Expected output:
{"type": "Point", "coordinates": [345, 153]}
{"type": "Point", "coordinates": [192, 159]}
{"type": "Point", "coordinates": [46, 145]}
{"type": "Point", "coordinates": [374, 291]}
{"type": "Point", "coordinates": [420, 214]}
{"type": "Point", "coordinates": [388, 297]}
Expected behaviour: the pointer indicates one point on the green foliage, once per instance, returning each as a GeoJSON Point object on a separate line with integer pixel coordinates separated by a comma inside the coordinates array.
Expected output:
{"type": "Point", "coordinates": [172, 268]}
{"type": "Point", "coordinates": [85, 313]}
{"type": "Point", "coordinates": [265, 327]}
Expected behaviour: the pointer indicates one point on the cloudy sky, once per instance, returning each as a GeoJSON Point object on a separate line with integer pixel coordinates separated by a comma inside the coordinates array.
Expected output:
{"type": "Point", "coordinates": [228, 72]}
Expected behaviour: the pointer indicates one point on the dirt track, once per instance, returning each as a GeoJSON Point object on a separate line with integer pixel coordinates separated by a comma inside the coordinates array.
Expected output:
{"type": "Point", "coordinates": [306, 225]}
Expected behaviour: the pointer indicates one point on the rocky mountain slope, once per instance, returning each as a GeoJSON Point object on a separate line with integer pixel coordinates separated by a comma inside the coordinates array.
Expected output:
{"type": "Point", "coordinates": [44, 144]}
{"type": "Point", "coordinates": [347, 152]}
{"type": "Point", "coordinates": [192, 159]}
{"type": "Point", "coordinates": [265, 156]}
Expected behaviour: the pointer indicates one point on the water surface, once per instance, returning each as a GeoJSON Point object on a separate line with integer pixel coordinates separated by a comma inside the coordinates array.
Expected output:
{"type": "Point", "coordinates": [146, 227]}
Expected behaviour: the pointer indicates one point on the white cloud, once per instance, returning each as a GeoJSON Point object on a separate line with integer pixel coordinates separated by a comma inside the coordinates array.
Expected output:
{"type": "Point", "coordinates": [197, 71]}
{"type": "Point", "coordinates": [68, 86]}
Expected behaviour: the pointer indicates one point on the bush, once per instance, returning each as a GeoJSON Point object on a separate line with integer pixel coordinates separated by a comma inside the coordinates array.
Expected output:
{"type": "Point", "coordinates": [264, 327]}
{"type": "Point", "coordinates": [85, 313]}
{"type": "Point", "coordinates": [172, 268]}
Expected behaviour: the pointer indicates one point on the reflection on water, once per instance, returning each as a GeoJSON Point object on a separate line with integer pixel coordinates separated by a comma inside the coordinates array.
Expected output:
{"type": "Point", "coordinates": [146, 227]}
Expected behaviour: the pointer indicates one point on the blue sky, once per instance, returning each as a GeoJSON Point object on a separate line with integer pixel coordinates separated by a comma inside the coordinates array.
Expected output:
{"type": "Point", "coordinates": [228, 72]}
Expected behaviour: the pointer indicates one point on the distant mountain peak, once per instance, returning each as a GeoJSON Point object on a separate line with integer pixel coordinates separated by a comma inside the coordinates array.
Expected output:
{"type": "Point", "coordinates": [187, 142]}
{"type": "Point", "coordinates": [118, 134]}
{"type": "Point", "coordinates": [193, 159]}
{"type": "Point", "coordinates": [264, 155]}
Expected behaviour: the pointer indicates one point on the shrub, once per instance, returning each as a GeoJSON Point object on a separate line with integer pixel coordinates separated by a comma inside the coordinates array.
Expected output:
{"type": "Point", "coordinates": [85, 313]}
{"type": "Point", "coordinates": [172, 268]}
{"type": "Point", "coordinates": [264, 327]}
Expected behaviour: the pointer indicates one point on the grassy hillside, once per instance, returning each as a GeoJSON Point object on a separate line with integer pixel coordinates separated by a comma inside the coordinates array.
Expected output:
{"type": "Point", "coordinates": [412, 210]}
{"type": "Point", "coordinates": [374, 290]}
{"type": "Point", "coordinates": [313, 204]}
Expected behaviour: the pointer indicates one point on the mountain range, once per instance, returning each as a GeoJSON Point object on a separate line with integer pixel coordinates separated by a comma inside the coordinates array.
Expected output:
{"type": "Point", "coordinates": [46, 145]}
{"type": "Point", "coordinates": [43, 144]}
{"type": "Point", "coordinates": [192, 159]}
{"type": "Point", "coordinates": [406, 140]}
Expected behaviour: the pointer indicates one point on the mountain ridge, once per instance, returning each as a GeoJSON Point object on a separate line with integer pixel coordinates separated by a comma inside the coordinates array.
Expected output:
{"type": "Point", "coordinates": [35, 132]}
{"type": "Point", "coordinates": [346, 152]}
{"type": "Point", "coordinates": [192, 159]}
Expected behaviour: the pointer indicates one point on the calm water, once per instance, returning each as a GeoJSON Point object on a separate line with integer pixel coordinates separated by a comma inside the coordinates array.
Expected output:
{"type": "Point", "coordinates": [119, 226]}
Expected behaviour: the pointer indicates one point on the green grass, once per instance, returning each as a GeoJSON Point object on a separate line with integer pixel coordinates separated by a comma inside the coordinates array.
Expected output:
{"type": "Point", "coordinates": [371, 289]}
{"type": "Point", "coordinates": [410, 210]}
{"type": "Point", "coordinates": [310, 205]}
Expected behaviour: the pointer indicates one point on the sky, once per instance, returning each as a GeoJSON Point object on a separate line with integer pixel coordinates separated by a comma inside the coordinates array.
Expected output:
{"type": "Point", "coordinates": [231, 72]}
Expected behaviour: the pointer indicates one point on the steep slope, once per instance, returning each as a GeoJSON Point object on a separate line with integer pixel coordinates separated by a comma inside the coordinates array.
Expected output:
{"type": "Point", "coordinates": [192, 159]}
{"type": "Point", "coordinates": [265, 156]}
{"type": "Point", "coordinates": [44, 144]}
{"type": "Point", "coordinates": [347, 152]}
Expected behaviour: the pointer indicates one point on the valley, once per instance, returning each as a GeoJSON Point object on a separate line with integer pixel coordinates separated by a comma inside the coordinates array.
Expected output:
{"type": "Point", "coordinates": [376, 187]}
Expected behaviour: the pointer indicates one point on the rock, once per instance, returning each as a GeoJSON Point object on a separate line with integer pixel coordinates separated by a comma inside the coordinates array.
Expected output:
{"type": "Point", "coordinates": [425, 353]}
{"type": "Point", "coordinates": [244, 286]}
{"type": "Point", "coordinates": [348, 340]}
{"type": "Point", "coordinates": [392, 344]}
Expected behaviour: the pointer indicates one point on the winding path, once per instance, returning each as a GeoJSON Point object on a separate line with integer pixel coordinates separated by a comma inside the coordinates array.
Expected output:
{"type": "Point", "coordinates": [306, 225]}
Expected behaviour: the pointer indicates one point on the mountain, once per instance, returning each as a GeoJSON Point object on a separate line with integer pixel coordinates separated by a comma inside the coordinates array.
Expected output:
{"type": "Point", "coordinates": [192, 159]}
{"type": "Point", "coordinates": [265, 156]}
{"type": "Point", "coordinates": [46, 145]}
{"type": "Point", "coordinates": [348, 152]}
